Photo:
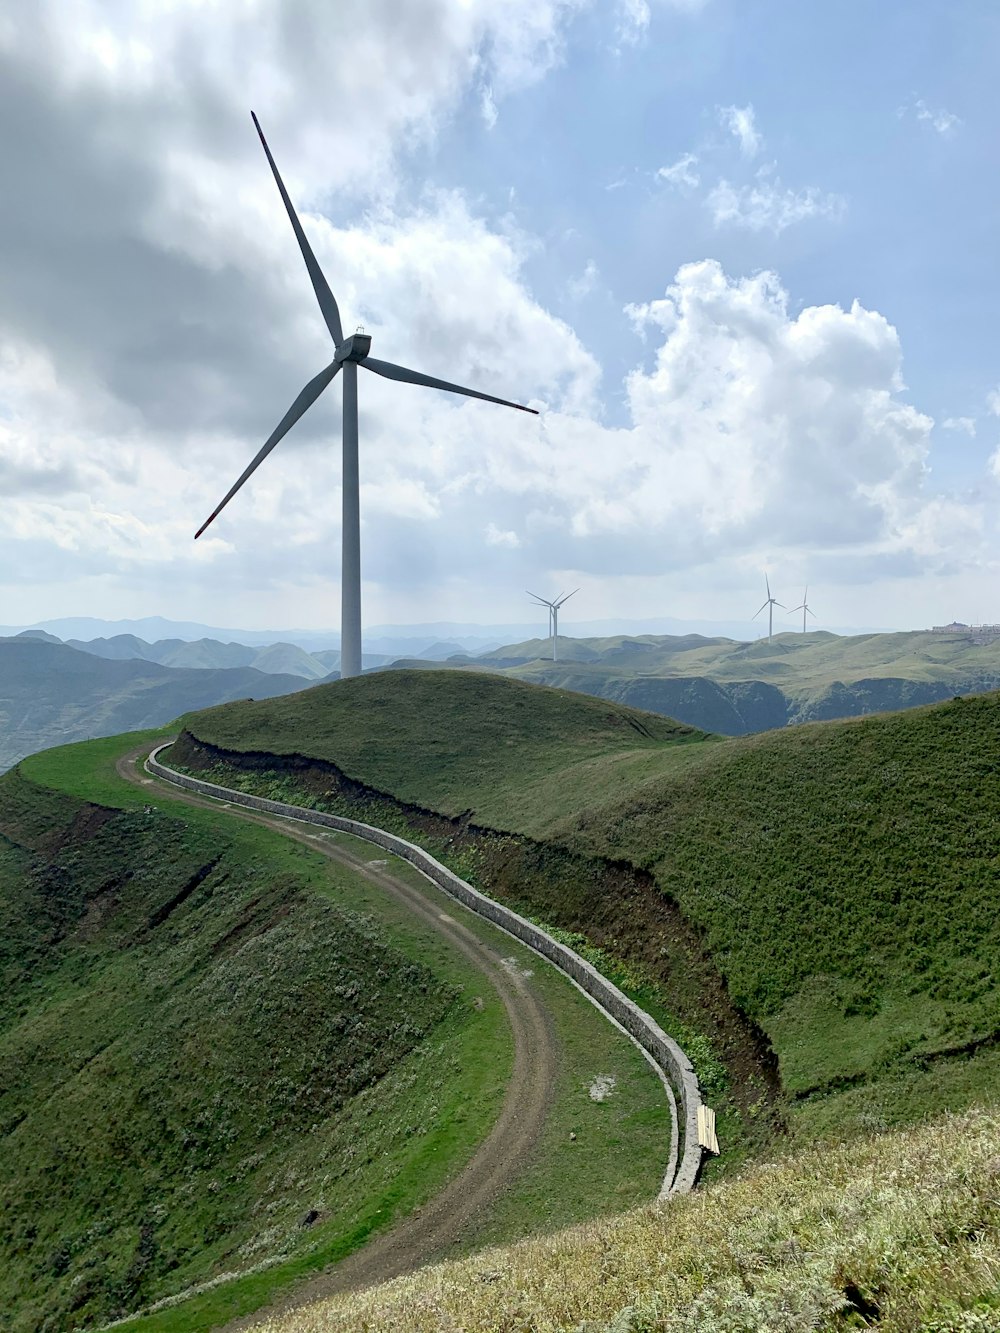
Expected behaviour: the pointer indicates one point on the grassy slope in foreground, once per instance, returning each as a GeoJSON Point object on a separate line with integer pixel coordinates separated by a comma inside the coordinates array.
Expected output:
{"type": "Point", "coordinates": [843, 875]}
{"type": "Point", "coordinates": [162, 1114]}
{"type": "Point", "coordinates": [899, 1231]}
{"type": "Point", "coordinates": [383, 1153]}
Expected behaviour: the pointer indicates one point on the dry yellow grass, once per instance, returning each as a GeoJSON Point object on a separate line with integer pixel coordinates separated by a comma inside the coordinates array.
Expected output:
{"type": "Point", "coordinates": [898, 1231]}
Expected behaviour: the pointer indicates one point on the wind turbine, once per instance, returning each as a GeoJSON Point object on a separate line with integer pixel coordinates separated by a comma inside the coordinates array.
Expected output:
{"type": "Point", "coordinates": [349, 353]}
{"type": "Point", "coordinates": [554, 614]}
{"type": "Point", "coordinates": [804, 608]}
{"type": "Point", "coordinates": [771, 603]}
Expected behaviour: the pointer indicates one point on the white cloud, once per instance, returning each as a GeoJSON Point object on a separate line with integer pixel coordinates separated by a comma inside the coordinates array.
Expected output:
{"type": "Point", "coordinates": [488, 106]}
{"type": "Point", "coordinates": [633, 21]}
{"type": "Point", "coordinates": [938, 118]}
{"type": "Point", "coordinates": [585, 284]}
{"type": "Point", "coordinates": [965, 424]}
{"type": "Point", "coordinates": [682, 174]}
{"type": "Point", "coordinates": [754, 427]}
{"type": "Point", "coordinates": [767, 205]}
{"type": "Point", "coordinates": [634, 17]}
{"type": "Point", "coordinates": [993, 401]}
{"type": "Point", "coordinates": [496, 537]}
{"type": "Point", "coordinates": [739, 121]}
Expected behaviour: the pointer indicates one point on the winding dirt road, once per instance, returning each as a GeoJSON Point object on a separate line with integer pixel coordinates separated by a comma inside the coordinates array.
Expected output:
{"type": "Point", "coordinates": [429, 1232]}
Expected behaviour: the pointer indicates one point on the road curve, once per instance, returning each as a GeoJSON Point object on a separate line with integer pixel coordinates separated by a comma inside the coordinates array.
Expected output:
{"type": "Point", "coordinates": [426, 1234]}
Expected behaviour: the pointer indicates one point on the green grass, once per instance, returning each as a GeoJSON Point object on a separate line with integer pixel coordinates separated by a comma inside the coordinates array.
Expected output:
{"type": "Point", "coordinates": [492, 732]}
{"type": "Point", "coordinates": [842, 877]}
{"type": "Point", "coordinates": [131, 1229]}
{"type": "Point", "coordinates": [163, 1118]}
{"type": "Point", "coordinates": [899, 1232]}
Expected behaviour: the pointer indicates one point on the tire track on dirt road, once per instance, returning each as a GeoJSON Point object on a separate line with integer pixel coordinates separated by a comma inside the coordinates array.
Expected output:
{"type": "Point", "coordinates": [428, 1233]}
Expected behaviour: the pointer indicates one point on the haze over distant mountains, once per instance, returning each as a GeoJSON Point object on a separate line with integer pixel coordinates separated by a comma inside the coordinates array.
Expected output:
{"type": "Point", "coordinates": [51, 694]}
{"type": "Point", "coordinates": [398, 640]}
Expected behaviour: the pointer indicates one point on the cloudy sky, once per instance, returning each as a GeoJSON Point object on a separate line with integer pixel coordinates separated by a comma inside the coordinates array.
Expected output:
{"type": "Point", "coordinates": [741, 255]}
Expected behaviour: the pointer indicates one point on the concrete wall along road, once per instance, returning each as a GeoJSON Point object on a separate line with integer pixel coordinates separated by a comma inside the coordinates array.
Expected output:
{"type": "Point", "coordinates": [661, 1050]}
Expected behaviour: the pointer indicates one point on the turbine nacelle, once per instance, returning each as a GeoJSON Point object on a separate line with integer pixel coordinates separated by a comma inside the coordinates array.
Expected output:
{"type": "Point", "coordinates": [354, 348]}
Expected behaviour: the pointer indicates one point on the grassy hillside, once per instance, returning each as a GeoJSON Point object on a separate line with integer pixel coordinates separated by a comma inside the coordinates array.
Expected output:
{"type": "Point", "coordinates": [899, 1232]}
{"type": "Point", "coordinates": [222, 1053]}
{"type": "Point", "coordinates": [160, 1113]}
{"type": "Point", "coordinates": [841, 877]}
{"type": "Point", "coordinates": [466, 737]}
{"type": "Point", "coordinates": [51, 694]}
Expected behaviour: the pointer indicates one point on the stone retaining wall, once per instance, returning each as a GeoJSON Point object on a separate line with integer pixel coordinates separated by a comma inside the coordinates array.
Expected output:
{"type": "Point", "coordinates": [663, 1050]}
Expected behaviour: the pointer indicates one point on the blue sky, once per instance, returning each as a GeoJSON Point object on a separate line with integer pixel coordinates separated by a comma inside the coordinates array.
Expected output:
{"type": "Point", "coordinates": [741, 256]}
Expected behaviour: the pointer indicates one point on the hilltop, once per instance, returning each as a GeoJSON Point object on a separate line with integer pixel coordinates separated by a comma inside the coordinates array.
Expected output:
{"type": "Point", "coordinates": [839, 877]}
{"type": "Point", "coordinates": [450, 740]}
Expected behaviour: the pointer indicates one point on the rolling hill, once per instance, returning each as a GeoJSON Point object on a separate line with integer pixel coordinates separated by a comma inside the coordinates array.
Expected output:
{"type": "Point", "coordinates": [840, 877]}
{"type": "Point", "coordinates": [211, 654]}
{"type": "Point", "coordinates": [736, 688]}
{"type": "Point", "coordinates": [51, 694]}
{"type": "Point", "coordinates": [229, 1057]}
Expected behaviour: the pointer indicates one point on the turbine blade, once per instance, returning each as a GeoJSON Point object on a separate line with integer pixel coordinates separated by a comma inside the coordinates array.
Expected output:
{"type": "Point", "coordinates": [781, 604]}
{"type": "Point", "coordinates": [563, 600]}
{"type": "Point", "coordinates": [391, 372]}
{"type": "Point", "coordinates": [757, 613]}
{"type": "Point", "coordinates": [796, 608]}
{"type": "Point", "coordinates": [324, 296]}
{"type": "Point", "coordinates": [768, 587]}
{"type": "Point", "coordinates": [812, 613]}
{"type": "Point", "coordinates": [305, 400]}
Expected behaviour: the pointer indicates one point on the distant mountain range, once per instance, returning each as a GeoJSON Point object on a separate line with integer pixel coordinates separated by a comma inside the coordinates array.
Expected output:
{"type": "Point", "coordinates": [51, 694]}
{"type": "Point", "coordinates": [436, 639]}
{"type": "Point", "coordinates": [734, 688]}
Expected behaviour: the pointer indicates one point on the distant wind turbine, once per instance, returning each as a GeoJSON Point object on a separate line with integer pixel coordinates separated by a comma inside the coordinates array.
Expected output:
{"type": "Point", "coordinates": [349, 353]}
{"type": "Point", "coordinates": [771, 603]}
{"type": "Point", "coordinates": [805, 608]}
{"type": "Point", "coordinates": [554, 614]}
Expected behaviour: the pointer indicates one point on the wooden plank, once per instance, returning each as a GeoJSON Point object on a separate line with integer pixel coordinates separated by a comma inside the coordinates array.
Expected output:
{"type": "Point", "coordinates": [706, 1129]}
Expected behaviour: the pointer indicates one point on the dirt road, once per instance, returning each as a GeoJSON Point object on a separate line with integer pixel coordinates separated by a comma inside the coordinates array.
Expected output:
{"type": "Point", "coordinates": [427, 1234]}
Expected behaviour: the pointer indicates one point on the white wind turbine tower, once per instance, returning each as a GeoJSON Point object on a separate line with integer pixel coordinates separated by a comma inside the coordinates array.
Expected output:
{"type": "Point", "coordinates": [771, 603]}
{"type": "Point", "coordinates": [805, 608]}
{"type": "Point", "coordinates": [349, 353]}
{"type": "Point", "coordinates": [554, 614]}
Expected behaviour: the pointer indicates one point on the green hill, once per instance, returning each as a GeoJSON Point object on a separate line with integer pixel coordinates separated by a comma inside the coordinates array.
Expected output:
{"type": "Point", "coordinates": [739, 688]}
{"type": "Point", "coordinates": [159, 1112]}
{"type": "Point", "coordinates": [227, 1060]}
{"type": "Point", "coordinates": [51, 694]}
{"type": "Point", "coordinates": [841, 877]}
{"type": "Point", "coordinates": [468, 738]}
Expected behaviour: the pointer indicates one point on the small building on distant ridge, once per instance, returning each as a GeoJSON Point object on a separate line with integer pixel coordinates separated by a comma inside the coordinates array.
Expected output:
{"type": "Point", "coordinates": [978, 633]}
